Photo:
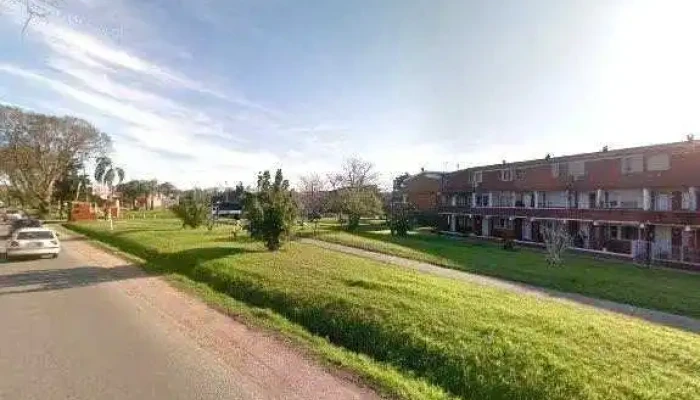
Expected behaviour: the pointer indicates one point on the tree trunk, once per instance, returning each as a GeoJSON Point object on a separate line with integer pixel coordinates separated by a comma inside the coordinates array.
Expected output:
{"type": "Point", "coordinates": [77, 191]}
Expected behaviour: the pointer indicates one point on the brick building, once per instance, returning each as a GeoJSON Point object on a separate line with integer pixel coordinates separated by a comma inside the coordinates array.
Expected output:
{"type": "Point", "coordinates": [638, 202]}
{"type": "Point", "coordinates": [420, 190]}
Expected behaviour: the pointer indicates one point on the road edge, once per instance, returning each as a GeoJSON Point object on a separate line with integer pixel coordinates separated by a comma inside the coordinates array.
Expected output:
{"type": "Point", "coordinates": [387, 381]}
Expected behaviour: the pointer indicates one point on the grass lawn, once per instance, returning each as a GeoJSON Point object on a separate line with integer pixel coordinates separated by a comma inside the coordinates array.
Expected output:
{"type": "Point", "coordinates": [466, 340]}
{"type": "Point", "coordinates": [662, 289]}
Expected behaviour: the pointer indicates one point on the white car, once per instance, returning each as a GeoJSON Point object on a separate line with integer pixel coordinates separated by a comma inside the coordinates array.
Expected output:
{"type": "Point", "coordinates": [33, 242]}
{"type": "Point", "coordinates": [13, 215]}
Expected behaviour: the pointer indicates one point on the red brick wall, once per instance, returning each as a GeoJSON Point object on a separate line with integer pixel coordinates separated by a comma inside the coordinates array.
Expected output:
{"type": "Point", "coordinates": [601, 172]}
{"type": "Point", "coordinates": [422, 192]}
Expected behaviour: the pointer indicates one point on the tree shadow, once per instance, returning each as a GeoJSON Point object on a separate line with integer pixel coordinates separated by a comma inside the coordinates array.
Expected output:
{"type": "Point", "coordinates": [64, 278]}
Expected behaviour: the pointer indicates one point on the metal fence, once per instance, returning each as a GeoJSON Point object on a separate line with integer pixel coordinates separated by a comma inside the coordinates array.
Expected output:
{"type": "Point", "coordinates": [664, 251]}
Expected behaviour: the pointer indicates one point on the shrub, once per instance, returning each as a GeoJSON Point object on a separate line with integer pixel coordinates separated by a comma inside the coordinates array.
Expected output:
{"type": "Point", "coordinates": [271, 210]}
{"type": "Point", "coordinates": [193, 209]}
{"type": "Point", "coordinates": [556, 240]}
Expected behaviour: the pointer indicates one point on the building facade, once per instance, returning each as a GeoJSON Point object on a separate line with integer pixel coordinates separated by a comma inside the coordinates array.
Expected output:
{"type": "Point", "coordinates": [640, 203]}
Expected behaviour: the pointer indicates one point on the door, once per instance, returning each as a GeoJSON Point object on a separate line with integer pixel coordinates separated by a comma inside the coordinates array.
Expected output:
{"type": "Point", "coordinates": [676, 201]}
{"type": "Point", "coordinates": [535, 235]}
{"type": "Point", "coordinates": [518, 228]}
{"type": "Point", "coordinates": [676, 241]}
{"type": "Point", "coordinates": [592, 200]}
{"type": "Point", "coordinates": [477, 225]}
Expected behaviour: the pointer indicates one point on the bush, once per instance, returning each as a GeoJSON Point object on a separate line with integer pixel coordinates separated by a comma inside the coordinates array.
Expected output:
{"type": "Point", "coordinates": [193, 209]}
{"type": "Point", "coordinates": [271, 210]}
{"type": "Point", "coordinates": [401, 219]}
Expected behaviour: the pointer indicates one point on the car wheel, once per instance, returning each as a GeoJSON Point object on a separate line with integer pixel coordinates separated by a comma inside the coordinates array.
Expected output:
{"type": "Point", "coordinates": [54, 255]}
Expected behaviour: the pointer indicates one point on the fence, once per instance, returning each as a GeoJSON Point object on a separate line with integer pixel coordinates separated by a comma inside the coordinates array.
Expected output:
{"type": "Point", "coordinates": [665, 251]}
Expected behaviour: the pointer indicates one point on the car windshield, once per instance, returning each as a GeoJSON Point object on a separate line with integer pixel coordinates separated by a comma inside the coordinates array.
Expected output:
{"type": "Point", "coordinates": [34, 235]}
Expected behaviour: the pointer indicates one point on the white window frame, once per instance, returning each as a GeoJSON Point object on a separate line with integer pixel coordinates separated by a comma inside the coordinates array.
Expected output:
{"type": "Point", "coordinates": [522, 174]}
{"type": "Point", "coordinates": [658, 162]}
{"type": "Point", "coordinates": [579, 167]}
{"type": "Point", "coordinates": [627, 163]}
{"type": "Point", "coordinates": [555, 170]}
{"type": "Point", "coordinates": [477, 177]}
{"type": "Point", "coordinates": [507, 175]}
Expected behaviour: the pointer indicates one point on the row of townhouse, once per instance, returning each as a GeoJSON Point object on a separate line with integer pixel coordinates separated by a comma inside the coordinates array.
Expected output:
{"type": "Point", "coordinates": [638, 202]}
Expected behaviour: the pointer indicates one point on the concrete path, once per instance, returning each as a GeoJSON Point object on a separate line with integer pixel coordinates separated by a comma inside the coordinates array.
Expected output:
{"type": "Point", "coordinates": [89, 326]}
{"type": "Point", "coordinates": [660, 317]}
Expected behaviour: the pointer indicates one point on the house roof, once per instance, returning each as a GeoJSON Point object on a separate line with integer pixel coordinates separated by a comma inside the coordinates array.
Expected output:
{"type": "Point", "coordinates": [674, 146]}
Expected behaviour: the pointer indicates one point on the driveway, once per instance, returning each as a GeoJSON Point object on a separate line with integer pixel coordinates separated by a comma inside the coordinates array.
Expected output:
{"type": "Point", "coordinates": [89, 326]}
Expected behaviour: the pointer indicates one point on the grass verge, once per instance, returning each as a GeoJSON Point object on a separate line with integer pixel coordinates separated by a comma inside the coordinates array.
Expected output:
{"type": "Point", "coordinates": [655, 288]}
{"type": "Point", "coordinates": [467, 340]}
{"type": "Point", "coordinates": [384, 378]}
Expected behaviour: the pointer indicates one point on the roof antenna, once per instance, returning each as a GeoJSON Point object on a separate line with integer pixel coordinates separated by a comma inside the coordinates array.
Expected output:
{"type": "Point", "coordinates": [605, 149]}
{"type": "Point", "coordinates": [548, 156]}
{"type": "Point", "coordinates": [690, 137]}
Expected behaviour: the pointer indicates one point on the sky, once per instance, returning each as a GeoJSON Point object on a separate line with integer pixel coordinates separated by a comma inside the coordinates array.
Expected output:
{"type": "Point", "coordinates": [209, 92]}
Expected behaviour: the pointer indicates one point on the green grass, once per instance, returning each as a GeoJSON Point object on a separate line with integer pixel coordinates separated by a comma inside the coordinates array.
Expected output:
{"type": "Point", "coordinates": [661, 289]}
{"type": "Point", "coordinates": [472, 341]}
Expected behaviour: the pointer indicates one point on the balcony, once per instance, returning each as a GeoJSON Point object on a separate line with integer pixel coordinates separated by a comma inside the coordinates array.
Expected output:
{"type": "Point", "coordinates": [585, 214]}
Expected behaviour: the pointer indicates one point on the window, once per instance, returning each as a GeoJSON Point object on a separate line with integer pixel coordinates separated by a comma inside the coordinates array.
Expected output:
{"type": "Point", "coordinates": [632, 164]}
{"type": "Point", "coordinates": [477, 177]}
{"type": "Point", "coordinates": [555, 170]}
{"type": "Point", "coordinates": [482, 200]}
{"type": "Point", "coordinates": [461, 200]}
{"type": "Point", "coordinates": [506, 175]}
{"type": "Point", "coordinates": [629, 233]}
{"type": "Point", "coordinates": [658, 162]}
{"type": "Point", "coordinates": [503, 199]}
{"type": "Point", "coordinates": [577, 168]}
{"type": "Point", "coordinates": [519, 174]}
{"type": "Point", "coordinates": [34, 235]}
{"type": "Point", "coordinates": [613, 232]}
{"type": "Point", "coordinates": [502, 223]}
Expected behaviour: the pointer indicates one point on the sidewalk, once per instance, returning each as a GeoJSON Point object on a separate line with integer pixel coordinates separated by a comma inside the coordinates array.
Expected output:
{"type": "Point", "coordinates": [659, 317]}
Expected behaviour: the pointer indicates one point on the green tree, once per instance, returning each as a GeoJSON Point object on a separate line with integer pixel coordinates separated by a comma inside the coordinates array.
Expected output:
{"type": "Point", "coordinates": [400, 219]}
{"type": "Point", "coordinates": [68, 187]}
{"type": "Point", "coordinates": [271, 210]}
{"type": "Point", "coordinates": [36, 150]}
{"type": "Point", "coordinates": [359, 202]}
{"type": "Point", "coordinates": [193, 209]}
{"type": "Point", "coordinates": [107, 174]}
{"type": "Point", "coordinates": [355, 192]}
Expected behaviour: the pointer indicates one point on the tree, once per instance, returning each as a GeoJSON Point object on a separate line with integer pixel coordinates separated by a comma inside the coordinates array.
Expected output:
{"type": "Point", "coordinates": [68, 186]}
{"type": "Point", "coordinates": [310, 193]}
{"type": "Point", "coordinates": [37, 150]}
{"type": "Point", "coordinates": [193, 209]}
{"type": "Point", "coordinates": [167, 189]}
{"type": "Point", "coordinates": [355, 191]}
{"type": "Point", "coordinates": [400, 219]}
{"type": "Point", "coordinates": [359, 202]}
{"type": "Point", "coordinates": [271, 210]}
{"type": "Point", "coordinates": [556, 240]}
{"type": "Point", "coordinates": [106, 173]}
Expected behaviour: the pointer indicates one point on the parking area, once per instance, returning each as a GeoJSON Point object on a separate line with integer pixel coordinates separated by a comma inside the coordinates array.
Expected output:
{"type": "Point", "coordinates": [4, 232]}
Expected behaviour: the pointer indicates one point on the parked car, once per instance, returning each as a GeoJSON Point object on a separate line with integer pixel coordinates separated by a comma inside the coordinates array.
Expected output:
{"type": "Point", "coordinates": [33, 242]}
{"type": "Point", "coordinates": [24, 223]}
{"type": "Point", "coordinates": [12, 215]}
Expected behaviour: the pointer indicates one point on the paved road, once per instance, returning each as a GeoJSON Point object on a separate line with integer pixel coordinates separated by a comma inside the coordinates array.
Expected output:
{"type": "Point", "coordinates": [71, 330]}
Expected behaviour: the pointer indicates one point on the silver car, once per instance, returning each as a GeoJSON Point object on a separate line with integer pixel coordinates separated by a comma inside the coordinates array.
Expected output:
{"type": "Point", "coordinates": [33, 242]}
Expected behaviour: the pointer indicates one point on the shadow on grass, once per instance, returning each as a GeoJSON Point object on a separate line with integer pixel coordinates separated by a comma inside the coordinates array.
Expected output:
{"type": "Point", "coordinates": [181, 262]}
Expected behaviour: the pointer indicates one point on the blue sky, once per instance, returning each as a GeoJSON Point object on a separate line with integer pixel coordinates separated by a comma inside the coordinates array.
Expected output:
{"type": "Point", "coordinates": [208, 92]}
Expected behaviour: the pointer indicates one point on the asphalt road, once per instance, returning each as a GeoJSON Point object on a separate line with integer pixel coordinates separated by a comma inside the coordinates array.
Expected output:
{"type": "Point", "coordinates": [64, 338]}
